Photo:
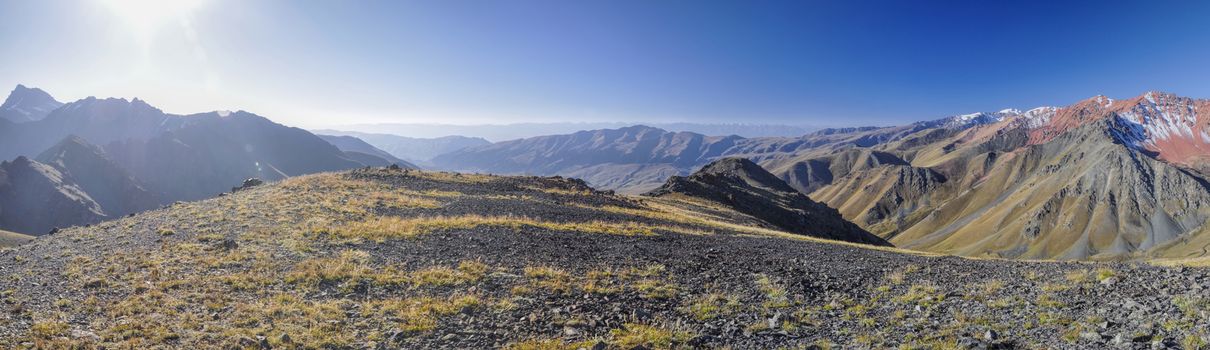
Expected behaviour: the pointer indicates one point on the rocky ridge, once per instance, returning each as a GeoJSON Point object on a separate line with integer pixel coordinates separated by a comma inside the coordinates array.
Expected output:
{"type": "Point", "coordinates": [743, 186]}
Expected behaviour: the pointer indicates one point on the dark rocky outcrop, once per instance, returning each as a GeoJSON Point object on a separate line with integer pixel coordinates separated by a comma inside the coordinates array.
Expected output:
{"type": "Point", "coordinates": [744, 186]}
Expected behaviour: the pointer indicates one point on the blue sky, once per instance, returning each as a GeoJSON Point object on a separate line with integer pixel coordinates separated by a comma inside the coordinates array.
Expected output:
{"type": "Point", "coordinates": [318, 63]}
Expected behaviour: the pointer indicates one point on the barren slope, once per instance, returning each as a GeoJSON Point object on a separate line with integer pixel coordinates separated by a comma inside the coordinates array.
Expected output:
{"type": "Point", "coordinates": [382, 259]}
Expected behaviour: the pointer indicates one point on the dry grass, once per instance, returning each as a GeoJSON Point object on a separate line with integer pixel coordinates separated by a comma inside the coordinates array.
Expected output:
{"type": "Point", "coordinates": [634, 335]}
{"type": "Point", "coordinates": [350, 268]}
{"type": "Point", "coordinates": [776, 296]}
{"type": "Point", "coordinates": [713, 305]}
{"type": "Point", "coordinates": [380, 229]}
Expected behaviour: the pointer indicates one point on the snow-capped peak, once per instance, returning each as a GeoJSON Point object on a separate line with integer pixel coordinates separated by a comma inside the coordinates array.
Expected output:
{"type": "Point", "coordinates": [969, 117]}
{"type": "Point", "coordinates": [1009, 111]}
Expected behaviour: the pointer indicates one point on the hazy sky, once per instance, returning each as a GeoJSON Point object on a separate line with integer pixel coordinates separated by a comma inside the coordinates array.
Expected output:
{"type": "Point", "coordinates": [316, 63]}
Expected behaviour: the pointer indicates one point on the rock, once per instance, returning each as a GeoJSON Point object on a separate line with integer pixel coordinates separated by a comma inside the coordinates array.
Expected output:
{"type": "Point", "coordinates": [971, 343]}
{"type": "Point", "coordinates": [247, 342]}
{"type": "Point", "coordinates": [249, 183]}
{"type": "Point", "coordinates": [285, 338]}
{"type": "Point", "coordinates": [1109, 281]}
{"type": "Point", "coordinates": [700, 341]}
{"type": "Point", "coordinates": [85, 335]}
{"type": "Point", "coordinates": [228, 244]}
{"type": "Point", "coordinates": [1119, 339]}
{"type": "Point", "coordinates": [990, 335]}
{"type": "Point", "coordinates": [775, 321]}
{"type": "Point", "coordinates": [1091, 336]}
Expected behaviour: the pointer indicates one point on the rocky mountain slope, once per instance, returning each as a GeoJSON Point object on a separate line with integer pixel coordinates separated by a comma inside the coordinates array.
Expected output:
{"type": "Point", "coordinates": [1076, 182]}
{"type": "Point", "coordinates": [94, 172]}
{"type": "Point", "coordinates": [27, 104]}
{"type": "Point", "coordinates": [407, 259]}
{"type": "Point", "coordinates": [743, 186]}
{"type": "Point", "coordinates": [72, 183]}
{"type": "Point", "coordinates": [35, 197]}
{"type": "Point", "coordinates": [1100, 179]}
{"type": "Point", "coordinates": [13, 239]}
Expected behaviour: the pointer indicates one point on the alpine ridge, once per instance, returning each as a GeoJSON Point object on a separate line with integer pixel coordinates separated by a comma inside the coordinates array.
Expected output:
{"type": "Point", "coordinates": [1098, 179]}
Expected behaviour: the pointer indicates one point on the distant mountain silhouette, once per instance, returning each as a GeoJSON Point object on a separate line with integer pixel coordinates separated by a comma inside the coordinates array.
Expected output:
{"type": "Point", "coordinates": [103, 158]}
{"type": "Point", "coordinates": [210, 153]}
{"type": "Point", "coordinates": [365, 153]}
{"type": "Point", "coordinates": [507, 132]}
{"type": "Point", "coordinates": [415, 150]}
{"type": "Point", "coordinates": [632, 159]}
{"type": "Point", "coordinates": [108, 184]}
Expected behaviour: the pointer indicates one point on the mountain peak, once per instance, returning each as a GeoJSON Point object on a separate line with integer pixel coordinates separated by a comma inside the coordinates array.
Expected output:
{"type": "Point", "coordinates": [27, 104]}
{"type": "Point", "coordinates": [743, 168]}
{"type": "Point", "coordinates": [68, 145]}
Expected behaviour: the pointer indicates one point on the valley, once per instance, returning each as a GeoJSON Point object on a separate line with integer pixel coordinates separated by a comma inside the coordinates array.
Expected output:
{"type": "Point", "coordinates": [604, 175]}
{"type": "Point", "coordinates": [628, 238]}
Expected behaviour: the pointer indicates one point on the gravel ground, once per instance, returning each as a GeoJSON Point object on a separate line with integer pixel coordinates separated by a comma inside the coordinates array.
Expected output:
{"type": "Point", "coordinates": [164, 279]}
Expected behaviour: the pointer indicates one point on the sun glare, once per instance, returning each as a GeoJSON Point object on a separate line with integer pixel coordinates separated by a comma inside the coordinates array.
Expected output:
{"type": "Point", "coordinates": [145, 16]}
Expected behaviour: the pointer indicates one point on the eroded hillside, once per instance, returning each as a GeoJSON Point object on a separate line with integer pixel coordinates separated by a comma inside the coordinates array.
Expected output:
{"type": "Point", "coordinates": [406, 259]}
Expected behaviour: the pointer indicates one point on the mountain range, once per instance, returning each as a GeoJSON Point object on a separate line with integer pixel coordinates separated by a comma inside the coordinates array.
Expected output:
{"type": "Point", "coordinates": [414, 150]}
{"type": "Point", "coordinates": [96, 159]}
{"type": "Point", "coordinates": [1100, 179]}
{"type": "Point", "coordinates": [506, 132]}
